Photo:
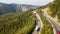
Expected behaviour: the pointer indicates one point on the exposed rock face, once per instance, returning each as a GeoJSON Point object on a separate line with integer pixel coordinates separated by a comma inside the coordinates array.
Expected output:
{"type": "Point", "coordinates": [23, 7]}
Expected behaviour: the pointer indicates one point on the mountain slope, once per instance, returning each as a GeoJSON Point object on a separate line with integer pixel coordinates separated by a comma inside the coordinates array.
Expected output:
{"type": "Point", "coordinates": [47, 28]}
{"type": "Point", "coordinates": [54, 9]}
{"type": "Point", "coordinates": [16, 23]}
{"type": "Point", "coordinates": [6, 8]}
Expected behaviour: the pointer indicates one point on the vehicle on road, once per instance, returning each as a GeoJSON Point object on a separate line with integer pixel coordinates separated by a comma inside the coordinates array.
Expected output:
{"type": "Point", "coordinates": [37, 28]}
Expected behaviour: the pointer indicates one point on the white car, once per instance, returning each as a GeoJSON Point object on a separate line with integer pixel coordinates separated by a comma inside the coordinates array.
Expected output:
{"type": "Point", "coordinates": [37, 28]}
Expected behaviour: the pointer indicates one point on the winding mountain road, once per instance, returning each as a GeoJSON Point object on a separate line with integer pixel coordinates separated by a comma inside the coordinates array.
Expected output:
{"type": "Point", "coordinates": [39, 23]}
{"type": "Point", "coordinates": [56, 27]}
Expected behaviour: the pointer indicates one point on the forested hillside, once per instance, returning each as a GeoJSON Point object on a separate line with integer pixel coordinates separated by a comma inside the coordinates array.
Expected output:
{"type": "Point", "coordinates": [17, 23]}
{"type": "Point", "coordinates": [6, 8]}
{"type": "Point", "coordinates": [55, 8]}
{"type": "Point", "coordinates": [47, 28]}
{"type": "Point", "coordinates": [24, 22]}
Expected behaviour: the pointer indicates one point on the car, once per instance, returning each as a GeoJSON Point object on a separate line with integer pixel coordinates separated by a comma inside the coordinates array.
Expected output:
{"type": "Point", "coordinates": [37, 29]}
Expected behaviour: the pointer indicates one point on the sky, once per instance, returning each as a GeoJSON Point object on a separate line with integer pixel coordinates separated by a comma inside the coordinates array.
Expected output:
{"type": "Point", "coordinates": [31, 2]}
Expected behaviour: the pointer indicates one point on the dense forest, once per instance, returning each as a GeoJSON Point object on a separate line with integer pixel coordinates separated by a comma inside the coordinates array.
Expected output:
{"type": "Point", "coordinates": [17, 23]}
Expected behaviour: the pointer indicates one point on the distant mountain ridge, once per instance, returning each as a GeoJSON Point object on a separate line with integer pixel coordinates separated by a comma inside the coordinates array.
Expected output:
{"type": "Point", "coordinates": [5, 8]}
{"type": "Point", "coordinates": [24, 7]}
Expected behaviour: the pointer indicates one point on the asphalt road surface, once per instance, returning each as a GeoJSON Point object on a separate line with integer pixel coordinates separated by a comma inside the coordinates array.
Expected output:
{"type": "Point", "coordinates": [39, 23]}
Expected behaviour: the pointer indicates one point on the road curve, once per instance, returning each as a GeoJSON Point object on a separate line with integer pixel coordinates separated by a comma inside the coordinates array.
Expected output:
{"type": "Point", "coordinates": [39, 23]}
{"type": "Point", "coordinates": [53, 23]}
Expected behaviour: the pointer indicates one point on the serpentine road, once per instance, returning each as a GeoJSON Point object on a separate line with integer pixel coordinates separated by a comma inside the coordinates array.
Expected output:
{"type": "Point", "coordinates": [39, 23]}
{"type": "Point", "coordinates": [56, 27]}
